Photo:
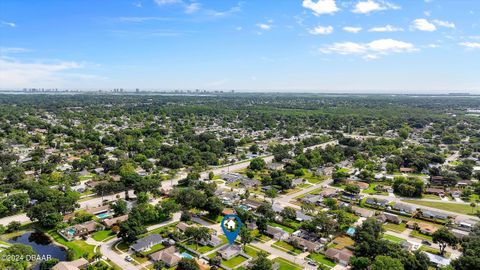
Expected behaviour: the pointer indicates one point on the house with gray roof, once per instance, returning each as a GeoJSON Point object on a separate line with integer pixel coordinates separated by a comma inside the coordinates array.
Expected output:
{"type": "Point", "coordinates": [146, 243]}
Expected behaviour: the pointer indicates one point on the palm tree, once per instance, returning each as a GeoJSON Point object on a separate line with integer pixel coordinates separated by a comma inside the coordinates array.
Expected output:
{"type": "Point", "coordinates": [473, 205]}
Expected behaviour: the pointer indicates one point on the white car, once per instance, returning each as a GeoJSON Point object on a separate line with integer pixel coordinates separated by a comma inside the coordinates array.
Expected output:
{"type": "Point", "coordinates": [128, 258]}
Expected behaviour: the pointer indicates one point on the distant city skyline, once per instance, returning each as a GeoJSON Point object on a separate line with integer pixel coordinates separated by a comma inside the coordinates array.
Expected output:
{"type": "Point", "coordinates": [329, 46]}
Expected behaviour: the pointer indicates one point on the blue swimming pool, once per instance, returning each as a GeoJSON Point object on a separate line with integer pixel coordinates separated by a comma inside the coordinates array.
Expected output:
{"type": "Point", "coordinates": [351, 231]}
{"type": "Point", "coordinates": [186, 255]}
{"type": "Point", "coordinates": [104, 215]}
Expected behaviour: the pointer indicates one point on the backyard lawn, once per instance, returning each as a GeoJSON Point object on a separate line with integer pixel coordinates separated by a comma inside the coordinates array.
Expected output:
{"type": "Point", "coordinates": [252, 251]}
{"type": "Point", "coordinates": [452, 207]}
{"type": "Point", "coordinates": [417, 234]}
{"type": "Point", "coordinates": [321, 259]}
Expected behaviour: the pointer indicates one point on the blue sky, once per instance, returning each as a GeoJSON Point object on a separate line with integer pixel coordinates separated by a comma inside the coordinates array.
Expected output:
{"type": "Point", "coordinates": [406, 46]}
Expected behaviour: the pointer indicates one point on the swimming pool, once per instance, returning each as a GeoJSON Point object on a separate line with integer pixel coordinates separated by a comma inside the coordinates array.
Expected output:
{"type": "Point", "coordinates": [104, 215]}
{"type": "Point", "coordinates": [351, 231]}
{"type": "Point", "coordinates": [186, 255]}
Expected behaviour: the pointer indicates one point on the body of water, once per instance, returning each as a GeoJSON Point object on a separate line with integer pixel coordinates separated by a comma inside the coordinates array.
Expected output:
{"type": "Point", "coordinates": [41, 244]}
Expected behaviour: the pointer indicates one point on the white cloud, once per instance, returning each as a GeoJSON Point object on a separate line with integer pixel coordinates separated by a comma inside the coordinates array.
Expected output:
{"type": "Point", "coordinates": [352, 29]}
{"type": "Point", "coordinates": [239, 28]}
{"type": "Point", "coordinates": [167, 2]}
{"type": "Point", "coordinates": [365, 7]}
{"type": "Point", "coordinates": [444, 23]}
{"type": "Point", "coordinates": [15, 74]}
{"type": "Point", "coordinates": [192, 8]}
{"type": "Point", "coordinates": [386, 28]}
{"type": "Point", "coordinates": [9, 24]}
{"type": "Point", "coordinates": [321, 30]}
{"type": "Point", "coordinates": [10, 50]}
{"type": "Point", "coordinates": [423, 25]}
{"type": "Point", "coordinates": [264, 26]}
{"type": "Point", "coordinates": [321, 6]}
{"type": "Point", "coordinates": [371, 50]}
{"type": "Point", "coordinates": [471, 45]}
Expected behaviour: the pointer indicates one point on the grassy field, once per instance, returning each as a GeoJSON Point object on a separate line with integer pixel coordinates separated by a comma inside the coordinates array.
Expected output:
{"type": "Point", "coordinates": [252, 251]}
{"type": "Point", "coordinates": [452, 207]}
{"type": "Point", "coordinates": [282, 245]}
{"type": "Point", "coordinates": [286, 265]}
{"type": "Point", "coordinates": [321, 259]}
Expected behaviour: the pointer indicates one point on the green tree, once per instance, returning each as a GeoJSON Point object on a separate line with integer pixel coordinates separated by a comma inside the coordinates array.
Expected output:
{"type": "Point", "coordinates": [187, 264]}
{"type": "Point", "coordinates": [198, 234]}
{"type": "Point", "coordinates": [261, 262]}
{"type": "Point", "coordinates": [386, 263]}
{"type": "Point", "coordinates": [120, 207]}
{"type": "Point", "coordinates": [444, 237]}
{"type": "Point", "coordinates": [257, 164]}
{"type": "Point", "coordinates": [245, 236]}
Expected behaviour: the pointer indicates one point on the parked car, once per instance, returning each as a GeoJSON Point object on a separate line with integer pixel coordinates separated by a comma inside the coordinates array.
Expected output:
{"type": "Point", "coordinates": [128, 258]}
{"type": "Point", "coordinates": [427, 243]}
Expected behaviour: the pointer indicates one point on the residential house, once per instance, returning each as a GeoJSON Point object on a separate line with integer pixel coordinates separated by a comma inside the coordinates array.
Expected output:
{"type": "Point", "coordinates": [438, 180]}
{"type": "Point", "coordinates": [424, 228]}
{"type": "Point", "coordinates": [377, 202]}
{"type": "Point", "coordinates": [387, 217]}
{"type": "Point", "coordinates": [407, 170]}
{"type": "Point", "coordinates": [362, 212]}
{"type": "Point", "coordinates": [435, 191]}
{"type": "Point", "coordinates": [312, 199]}
{"type": "Point", "coordinates": [437, 261]}
{"type": "Point", "coordinates": [213, 241]}
{"type": "Point", "coordinates": [182, 226]}
{"type": "Point", "coordinates": [328, 192]}
{"type": "Point", "coordinates": [146, 243]}
{"type": "Point", "coordinates": [81, 263]}
{"type": "Point", "coordinates": [109, 222]}
{"type": "Point", "coordinates": [464, 223]}
{"type": "Point", "coordinates": [305, 244]}
{"type": "Point", "coordinates": [434, 214]}
{"type": "Point", "coordinates": [252, 203]}
{"type": "Point", "coordinates": [79, 230]}
{"type": "Point", "coordinates": [274, 166]}
{"type": "Point", "coordinates": [168, 256]}
{"type": "Point", "coordinates": [404, 208]}
{"type": "Point", "coordinates": [341, 256]}
{"type": "Point", "coordinates": [276, 233]}
{"type": "Point", "coordinates": [98, 210]}
{"type": "Point", "coordinates": [410, 246]}
{"type": "Point", "coordinates": [302, 216]}
{"type": "Point", "coordinates": [298, 181]}
{"type": "Point", "coordinates": [229, 251]}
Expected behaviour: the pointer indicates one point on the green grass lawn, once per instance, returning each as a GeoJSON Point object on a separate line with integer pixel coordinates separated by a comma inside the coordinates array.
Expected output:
{"type": "Point", "coordinates": [263, 238]}
{"type": "Point", "coordinates": [252, 251]}
{"type": "Point", "coordinates": [102, 235]}
{"type": "Point", "coordinates": [321, 259]}
{"type": "Point", "coordinates": [282, 245]}
{"type": "Point", "coordinates": [286, 265]}
{"type": "Point", "coordinates": [122, 246]}
{"type": "Point", "coordinates": [395, 227]}
{"type": "Point", "coordinates": [419, 235]}
{"type": "Point", "coordinates": [452, 207]}
{"type": "Point", "coordinates": [155, 248]}
{"type": "Point", "coordinates": [432, 250]}
{"type": "Point", "coordinates": [79, 247]}
{"type": "Point", "coordinates": [285, 228]}
{"type": "Point", "coordinates": [392, 238]}
{"type": "Point", "coordinates": [205, 249]}
{"type": "Point", "coordinates": [234, 261]}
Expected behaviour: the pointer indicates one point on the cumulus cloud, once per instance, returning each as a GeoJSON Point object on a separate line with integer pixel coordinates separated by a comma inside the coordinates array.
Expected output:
{"type": "Point", "coordinates": [352, 29]}
{"type": "Point", "coordinates": [471, 45]}
{"type": "Point", "coordinates": [365, 7]}
{"type": "Point", "coordinates": [386, 28]}
{"type": "Point", "coordinates": [444, 23]}
{"type": "Point", "coordinates": [192, 8]}
{"type": "Point", "coordinates": [321, 6]}
{"type": "Point", "coordinates": [423, 25]}
{"type": "Point", "coordinates": [321, 30]}
{"type": "Point", "coordinates": [371, 50]}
